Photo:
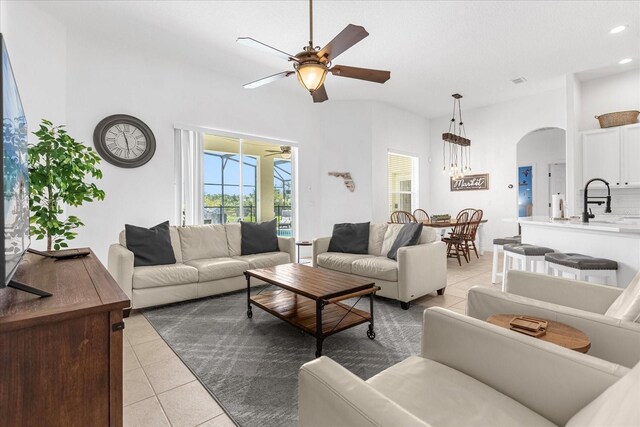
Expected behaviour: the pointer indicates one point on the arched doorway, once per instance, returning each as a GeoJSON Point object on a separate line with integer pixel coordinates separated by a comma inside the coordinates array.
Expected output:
{"type": "Point", "coordinates": [541, 168]}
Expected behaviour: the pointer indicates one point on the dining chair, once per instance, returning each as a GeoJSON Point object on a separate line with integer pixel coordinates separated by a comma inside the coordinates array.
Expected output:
{"type": "Point", "coordinates": [421, 215]}
{"type": "Point", "coordinates": [402, 217]}
{"type": "Point", "coordinates": [472, 231]}
{"type": "Point", "coordinates": [456, 239]}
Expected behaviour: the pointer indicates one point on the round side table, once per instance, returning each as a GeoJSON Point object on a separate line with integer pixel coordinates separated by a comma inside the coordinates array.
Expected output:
{"type": "Point", "coordinates": [303, 243]}
{"type": "Point", "coordinates": [557, 333]}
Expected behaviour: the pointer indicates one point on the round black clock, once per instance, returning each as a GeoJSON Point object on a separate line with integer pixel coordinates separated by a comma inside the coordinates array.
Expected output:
{"type": "Point", "coordinates": [124, 141]}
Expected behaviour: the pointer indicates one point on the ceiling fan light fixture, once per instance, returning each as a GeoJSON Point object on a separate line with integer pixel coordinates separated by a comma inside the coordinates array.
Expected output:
{"type": "Point", "coordinates": [286, 155]}
{"type": "Point", "coordinates": [311, 75]}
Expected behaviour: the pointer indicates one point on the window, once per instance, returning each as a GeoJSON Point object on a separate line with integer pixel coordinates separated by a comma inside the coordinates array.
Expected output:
{"type": "Point", "coordinates": [403, 182]}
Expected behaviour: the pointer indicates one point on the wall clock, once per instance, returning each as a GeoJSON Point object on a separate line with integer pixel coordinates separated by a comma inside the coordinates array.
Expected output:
{"type": "Point", "coordinates": [124, 141]}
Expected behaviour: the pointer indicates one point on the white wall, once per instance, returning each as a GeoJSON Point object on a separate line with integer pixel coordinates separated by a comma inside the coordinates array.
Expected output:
{"type": "Point", "coordinates": [494, 132]}
{"type": "Point", "coordinates": [539, 149]}
{"type": "Point", "coordinates": [37, 49]}
{"type": "Point", "coordinates": [618, 92]}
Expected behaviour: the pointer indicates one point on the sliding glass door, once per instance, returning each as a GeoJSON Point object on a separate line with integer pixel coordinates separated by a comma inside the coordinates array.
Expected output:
{"type": "Point", "coordinates": [247, 180]}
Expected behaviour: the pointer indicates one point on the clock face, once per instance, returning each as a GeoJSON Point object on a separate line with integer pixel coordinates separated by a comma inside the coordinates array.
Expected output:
{"type": "Point", "coordinates": [124, 141]}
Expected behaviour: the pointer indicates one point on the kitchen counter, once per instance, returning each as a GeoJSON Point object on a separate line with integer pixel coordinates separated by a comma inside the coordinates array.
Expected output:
{"type": "Point", "coordinates": [606, 236]}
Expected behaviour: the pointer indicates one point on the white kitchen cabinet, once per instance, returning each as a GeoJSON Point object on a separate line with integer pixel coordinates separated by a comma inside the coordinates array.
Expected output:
{"type": "Point", "coordinates": [612, 154]}
{"type": "Point", "coordinates": [630, 173]}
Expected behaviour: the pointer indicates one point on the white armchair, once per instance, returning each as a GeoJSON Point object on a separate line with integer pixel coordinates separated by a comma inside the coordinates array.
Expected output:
{"type": "Point", "coordinates": [582, 305]}
{"type": "Point", "coordinates": [472, 373]}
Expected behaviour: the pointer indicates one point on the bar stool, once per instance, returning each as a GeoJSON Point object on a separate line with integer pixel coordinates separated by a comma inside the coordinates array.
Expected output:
{"type": "Point", "coordinates": [582, 266]}
{"type": "Point", "coordinates": [497, 248]}
{"type": "Point", "coordinates": [527, 255]}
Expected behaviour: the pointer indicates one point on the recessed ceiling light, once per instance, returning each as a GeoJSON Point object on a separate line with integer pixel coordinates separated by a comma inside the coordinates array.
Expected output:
{"type": "Point", "coordinates": [625, 61]}
{"type": "Point", "coordinates": [618, 29]}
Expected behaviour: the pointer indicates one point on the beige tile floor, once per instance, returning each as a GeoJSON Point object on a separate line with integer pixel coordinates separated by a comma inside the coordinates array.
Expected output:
{"type": "Point", "coordinates": [159, 390]}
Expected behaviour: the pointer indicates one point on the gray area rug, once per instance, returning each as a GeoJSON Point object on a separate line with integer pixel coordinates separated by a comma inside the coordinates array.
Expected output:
{"type": "Point", "coordinates": [251, 365]}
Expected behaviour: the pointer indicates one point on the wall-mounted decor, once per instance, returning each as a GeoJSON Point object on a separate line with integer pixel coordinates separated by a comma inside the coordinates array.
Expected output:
{"type": "Point", "coordinates": [124, 141]}
{"type": "Point", "coordinates": [455, 142]}
{"type": "Point", "coordinates": [348, 181]}
{"type": "Point", "coordinates": [470, 182]}
{"type": "Point", "coordinates": [525, 191]}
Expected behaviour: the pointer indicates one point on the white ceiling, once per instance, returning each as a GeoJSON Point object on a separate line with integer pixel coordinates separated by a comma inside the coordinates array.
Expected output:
{"type": "Point", "coordinates": [433, 49]}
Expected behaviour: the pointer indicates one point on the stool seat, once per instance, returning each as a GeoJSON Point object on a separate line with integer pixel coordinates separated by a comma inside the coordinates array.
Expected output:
{"type": "Point", "coordinates": [581, 262]}
{"type": "Point", "coordinates": [527, 249]}
{"type": "Point", "coordinates": [507, 240]}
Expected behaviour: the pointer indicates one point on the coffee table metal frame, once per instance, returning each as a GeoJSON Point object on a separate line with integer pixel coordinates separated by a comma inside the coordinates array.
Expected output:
{"type": "Point", "coordinates": [351, 316]}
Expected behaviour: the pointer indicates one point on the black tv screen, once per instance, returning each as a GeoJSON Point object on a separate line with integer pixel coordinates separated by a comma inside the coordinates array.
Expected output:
{"type": "Point", "coordinates": [15, 173]}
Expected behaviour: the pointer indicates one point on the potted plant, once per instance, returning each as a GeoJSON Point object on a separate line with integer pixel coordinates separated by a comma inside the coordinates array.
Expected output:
{"type": "Point", "coordinates": [58, 171]}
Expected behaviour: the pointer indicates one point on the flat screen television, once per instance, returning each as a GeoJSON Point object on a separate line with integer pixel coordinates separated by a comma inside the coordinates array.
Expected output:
{"type": "Point", "coordinates": [15, 173]}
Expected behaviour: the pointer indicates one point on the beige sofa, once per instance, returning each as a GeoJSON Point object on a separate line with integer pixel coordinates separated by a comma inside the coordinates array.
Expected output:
{"type": "Point", "coordinates": [208, 262]}
{"type": "Point", "coordinates": [582, 305]}
{"type": "Point", "coordinates": [472, 373]}
{"type": "Point", "coordinates": [419, 270]}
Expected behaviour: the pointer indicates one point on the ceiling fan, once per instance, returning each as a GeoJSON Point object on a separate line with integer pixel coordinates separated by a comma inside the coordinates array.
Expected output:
{"type": "Point", "coordinates": [313, 63]}
{"type": "Point", "coordinates": [284, 151]}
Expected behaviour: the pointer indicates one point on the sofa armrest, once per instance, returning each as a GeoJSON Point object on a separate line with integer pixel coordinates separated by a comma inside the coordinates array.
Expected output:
{"type": "Point", "coordinates": [421, 269]}
{"type": "Point", "coordinates": [330, 395]}
{"type": "Point", "coordinates": [120, 265]}
{"type": "Point", "coordinates": [611, 339]}
{"type": "Point", "coordinates": [557, 290]}
{"type": "Point", "coordinates": [288, 245]}
{"type": "Point", "coordinates": [320, 246]}
{"type": "Point", "coordinates": [550, 380]}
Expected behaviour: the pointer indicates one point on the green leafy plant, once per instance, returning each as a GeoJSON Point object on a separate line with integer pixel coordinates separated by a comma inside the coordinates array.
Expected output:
{"type": "Point", "coordinates": [58, 167]}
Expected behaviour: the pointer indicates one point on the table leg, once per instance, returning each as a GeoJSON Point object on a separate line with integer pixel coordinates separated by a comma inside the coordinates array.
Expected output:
{"type": "Point", "coordinates": [370, 332]}
{"type": "Point", "coordinates": [319, 334]}
{"type": "Point", "coordinates": [298, 254]}
{"type": "Point", "coordinates": [481, 239]}
{"type": "Point", "coordinates": [249, 311]}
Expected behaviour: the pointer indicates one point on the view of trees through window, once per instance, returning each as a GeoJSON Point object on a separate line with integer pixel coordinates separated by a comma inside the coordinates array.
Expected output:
{"type": "Point", "coordinates": [266, 180]}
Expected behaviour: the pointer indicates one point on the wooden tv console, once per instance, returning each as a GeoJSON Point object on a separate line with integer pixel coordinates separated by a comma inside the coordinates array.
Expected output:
{"type": "Point", "coordinates": [61, 356]}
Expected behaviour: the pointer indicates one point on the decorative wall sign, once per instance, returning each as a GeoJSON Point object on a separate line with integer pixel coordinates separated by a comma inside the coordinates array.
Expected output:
{"type": "Point", "coordinates": [470, 182]}
{"type": "Point", "coordinates": [348, 181]}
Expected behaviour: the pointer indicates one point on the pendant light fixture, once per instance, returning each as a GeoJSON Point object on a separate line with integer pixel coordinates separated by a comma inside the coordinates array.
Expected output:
{"type": "Point", "coordinates": [456, 143]}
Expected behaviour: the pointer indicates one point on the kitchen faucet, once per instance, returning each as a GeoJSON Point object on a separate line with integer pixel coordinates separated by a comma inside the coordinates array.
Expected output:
{"type": "Point", "coordinates": [586, 213]}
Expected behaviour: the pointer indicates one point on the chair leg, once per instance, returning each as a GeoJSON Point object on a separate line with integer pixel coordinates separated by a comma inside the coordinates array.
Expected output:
{"type": "Point", "coordinates": [613, 278]}
{"type": "Point", "coordinates": [507, 259]}
{"type": "Point", "coordinates": [458, 255]}
{"type": "Point", "coordinates": [473, 245]}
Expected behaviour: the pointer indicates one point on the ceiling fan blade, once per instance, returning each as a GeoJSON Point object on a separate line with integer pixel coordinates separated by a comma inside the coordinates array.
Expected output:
{"type": "Point", "coordinates": [248, 41]}
{"type": "Point", "coordinates": [320, 94]}
{"type": "Point", "coordinates": [351, 35]}
{"type": "Point", "coordinates": [377, 76]}
{"type": "Point", "coordinates": [269, 79]}
{"type": "Point", "coordinates": [272, 154]}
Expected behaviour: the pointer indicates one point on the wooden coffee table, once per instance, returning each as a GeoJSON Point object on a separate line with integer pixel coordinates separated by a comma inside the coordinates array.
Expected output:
{"type": "Point", "coordinates": [557, 333]}
{"type": "Point", "coordinates": [310, 299]}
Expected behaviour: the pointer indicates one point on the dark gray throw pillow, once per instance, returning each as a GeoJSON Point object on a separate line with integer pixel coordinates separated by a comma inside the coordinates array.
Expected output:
{"type": "Point", "coordinates": [258, 237]}
{"type": "Point", "coordinates": [350, 238]}
{"type": "Point", "coordinates": [409, 235]}
{"type": "Point", "coordinates": [150, 246]}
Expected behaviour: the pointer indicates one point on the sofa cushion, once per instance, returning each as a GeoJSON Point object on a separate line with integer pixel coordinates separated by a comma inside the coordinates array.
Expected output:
{"type": "Point", "coordinates": [338, 261]}
{"type": "Point", "coordinates": [163, 275]}
{"type": "Point", "coordinates": [390, 237]}
{"type": "Point", "coordinates": [409, 235]}
{"type": "Point", "coordinates": [627, 305]}
{"type": "Point", "coordinates": [175, 241]}
{"type": "Point", "coordinates": [616, 406]}
{"type": "Point", "coordinates": [268, 259]}
{"type": "Point", "coordinates": [258, 237]}
{"type": "Point", "coordinates": [428, 235]}
{"type": "Point", "coordinates": [433, 392]}
{"type": "Point", "coordinates": [234, 239]}
{"type": "Point", "coordinates": [350, 238]}
{"type": "Point", "coordinates": [203, 242]}
{"type": "Point", "coordinates": [218, 268]}
{"type": "Point", "coordinates": [150, 246]}
{"type": "Point", "coordinates": [381, 268]}
{"type": "Point", "coordinates": [376, 237]}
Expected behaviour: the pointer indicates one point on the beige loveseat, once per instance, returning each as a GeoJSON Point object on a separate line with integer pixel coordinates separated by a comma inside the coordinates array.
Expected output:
{"type": "Point", "coordinates": [473, 373]}
{"type": "Point", "coordinates": [208, 262]}
{"type": "Point", "coordinates": [419, 270]}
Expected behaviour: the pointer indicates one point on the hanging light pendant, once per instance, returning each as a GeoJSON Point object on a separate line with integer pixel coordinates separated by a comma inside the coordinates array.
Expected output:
{"type": "Point", "coordinates": [456, 142]}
